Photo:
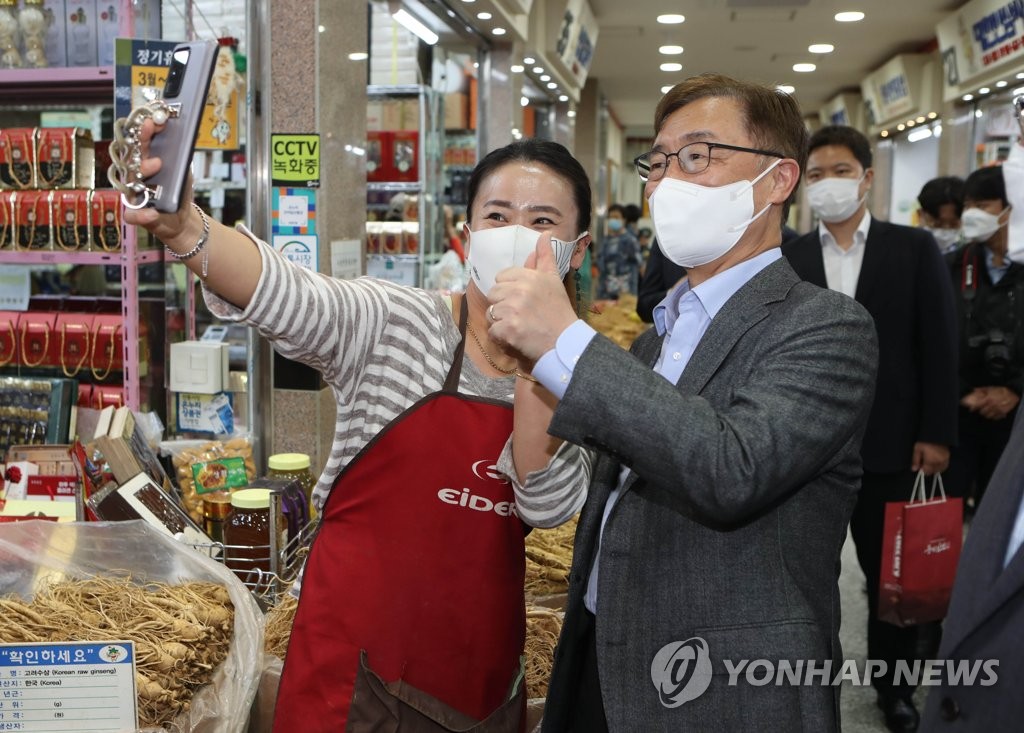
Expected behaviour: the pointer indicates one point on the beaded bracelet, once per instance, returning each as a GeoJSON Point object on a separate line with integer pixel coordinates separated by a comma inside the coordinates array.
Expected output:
{"type": "Point", "coordinates": [204, 237]}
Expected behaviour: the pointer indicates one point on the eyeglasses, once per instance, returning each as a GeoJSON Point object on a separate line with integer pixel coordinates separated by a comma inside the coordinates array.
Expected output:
{"type": "Point", "coordinates": [693, 158]}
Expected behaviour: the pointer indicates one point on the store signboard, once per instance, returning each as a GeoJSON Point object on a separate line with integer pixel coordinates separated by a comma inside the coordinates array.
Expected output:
{"type": "Point", "coordinates": [576, 39]}
{"type": "Point", "coordinates": [295, 160]}
{"type": "Point", "coordinates": [140, 72]}
{"type": "Point", "coordinates": [981, 37]}
{"type": "Point", "coordinates": [293, 211]}
{"type": "Point", "coordinates": [844, 109]}
{"type": "Point", "coordinates": [298, 248]}
{"type": "Point", "coordinates": [68, 686]}
{"type": "Point", "coordinates": [895, 90]}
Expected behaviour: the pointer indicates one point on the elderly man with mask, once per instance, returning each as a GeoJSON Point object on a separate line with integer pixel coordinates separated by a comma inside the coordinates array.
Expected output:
{"type": "Point", "coordinates": [727, 440]}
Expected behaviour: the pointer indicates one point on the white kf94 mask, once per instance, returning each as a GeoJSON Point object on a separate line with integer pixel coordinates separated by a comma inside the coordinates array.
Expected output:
{"type": "Point", "coordinates": [498, 248]}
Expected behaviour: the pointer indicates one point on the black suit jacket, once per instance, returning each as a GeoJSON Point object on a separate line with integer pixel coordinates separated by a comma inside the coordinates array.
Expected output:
{"type": "Point", "coordinates": [904, 284]}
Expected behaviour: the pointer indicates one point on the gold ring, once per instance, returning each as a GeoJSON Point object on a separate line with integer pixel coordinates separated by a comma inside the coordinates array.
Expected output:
{"type": "Point", "coordinates": [490, 313]}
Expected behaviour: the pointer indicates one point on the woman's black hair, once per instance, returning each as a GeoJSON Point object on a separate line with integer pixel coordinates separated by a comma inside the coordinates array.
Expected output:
{"type": "Point", "coordinates": [554, 156]}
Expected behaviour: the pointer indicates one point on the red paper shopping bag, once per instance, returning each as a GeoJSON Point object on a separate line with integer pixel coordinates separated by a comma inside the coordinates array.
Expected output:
{"type": "Point", "coordinates": [920, 549]}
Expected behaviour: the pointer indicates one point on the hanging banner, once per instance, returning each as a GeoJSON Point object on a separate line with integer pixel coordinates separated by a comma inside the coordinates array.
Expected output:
{"type": "Point", "coordinates": [576, 39]}
{"type": "Point", "coordinates": [844, 109]}
{"type": "Point", "coordinates": [980, 38]}
{"type": "Point", "coordinates": [897, 89]}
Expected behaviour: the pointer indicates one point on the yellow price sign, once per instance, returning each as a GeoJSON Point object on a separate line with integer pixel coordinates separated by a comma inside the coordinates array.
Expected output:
{"type": "Point", "coordinates": [295, 160]}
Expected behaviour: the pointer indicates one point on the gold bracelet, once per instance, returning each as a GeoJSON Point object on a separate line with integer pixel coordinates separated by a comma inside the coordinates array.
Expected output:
{"type": "Point", "coordinates": [527, 377]}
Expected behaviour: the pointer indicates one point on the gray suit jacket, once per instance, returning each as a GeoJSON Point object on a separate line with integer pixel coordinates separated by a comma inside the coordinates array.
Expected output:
{"type": "Point", "coordinates": [986, 614]}
{"type": "Point", "coordinates": [743, 477]}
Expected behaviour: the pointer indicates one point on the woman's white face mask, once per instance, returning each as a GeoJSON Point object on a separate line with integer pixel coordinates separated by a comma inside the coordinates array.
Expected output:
{"type": "Point", "coordinates": [495, 249]}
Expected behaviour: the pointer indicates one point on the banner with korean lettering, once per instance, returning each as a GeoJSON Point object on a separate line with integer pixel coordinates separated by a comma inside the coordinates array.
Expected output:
{"type": "Point", "coordinates": [896, 89]}
{"type": "Point", "coordinates": [140, 73]}
{"type": "Point", "coordinates": [576, 39]}
{"type": "Point", "coordinates": [980, 38]}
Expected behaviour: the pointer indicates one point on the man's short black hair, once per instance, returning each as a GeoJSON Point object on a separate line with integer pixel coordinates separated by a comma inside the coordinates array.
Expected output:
{"type": "Point", "coordinates": [986, 184]}
{"type": "Point", "coordinates": [631, 213]}
{"type": "Point", "coordinates": [941, 191]}
{"type": "Point", "coordinates": [849, 138]}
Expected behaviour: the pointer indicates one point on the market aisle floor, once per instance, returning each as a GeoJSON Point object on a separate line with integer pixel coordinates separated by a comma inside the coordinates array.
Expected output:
{"type": "Point", "coordinates": [859, 711]}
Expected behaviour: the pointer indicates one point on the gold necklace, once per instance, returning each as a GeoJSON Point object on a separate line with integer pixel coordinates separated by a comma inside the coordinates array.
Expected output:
{"type": "Point", "coordinates": [490, 361]}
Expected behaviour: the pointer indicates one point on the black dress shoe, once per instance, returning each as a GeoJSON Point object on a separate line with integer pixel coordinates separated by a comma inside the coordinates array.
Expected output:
{"type": "Point", "coordinates": [900, 715]}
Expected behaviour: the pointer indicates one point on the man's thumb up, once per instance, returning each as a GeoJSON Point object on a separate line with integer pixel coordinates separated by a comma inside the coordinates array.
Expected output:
{"type": "Point", "coordinates": [542, 258]}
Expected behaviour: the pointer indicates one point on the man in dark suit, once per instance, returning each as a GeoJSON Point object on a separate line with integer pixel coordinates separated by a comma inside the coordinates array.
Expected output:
{"type": "Point", "coordinates": [898, 274]}
{"type": "Point", "coordinates": [727, 443]}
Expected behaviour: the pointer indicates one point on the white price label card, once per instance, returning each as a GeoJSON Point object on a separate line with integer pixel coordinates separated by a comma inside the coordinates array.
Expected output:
{"type": "Point", "coordinates": [85, 687]}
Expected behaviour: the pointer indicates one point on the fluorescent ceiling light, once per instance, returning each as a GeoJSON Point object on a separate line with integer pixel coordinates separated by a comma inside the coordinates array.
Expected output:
{"type": "Point", "coordinates": [484, 15]}
{"type": "Point", "coordinates": [571, 113]}
{"type": "Point", "coordinates": [967, 97]}
{"type": "Point", "coordinates": [901, 127]}
{"type": "Point", "coordinates": [671, 50]}
{"type": "Point", "coordinates": [851, 16]}
{"type": "Point", "coordinates": [563, 97]}
{"type": "Point", "coordinates": [786, 88]}
{"type": "Point", "coordinates": [1001, 84]}
{"type": "Point", "coordinates": [885, 133]}
{"type": "Point", "coordinates": [923, 134]}
{"type": "Point", "coordinates": [804, 68]}
{"type": "Point", "coordinates": [517, 68]}
{"type": "Point", "coordinates": [529, 60]}
{"type": "Point", "coordinates": [932, 115]}
{"type": "Point", "coordinates": [538, 69]}
{"type": "Point", "coordinates": [545, 77]}
{"type": "Point", "coordinates": [426, 35]}
{"type": "Point", "coordinates": [666, 89]}
{"type": "Point", "coordinates": [523, 101]}
{"type": "Point", "coordinates": [671, 19]}
{"type": "Point", "coordinates": [358, 56]}
{"type": "Point", "coordinates": [321, 28]}
{"type": "Point", "coordinates": [984, 90]}
{"type": "Point", "coordinates": [821, 48]}
{"type": "Point", "coordinates": [671, 67]}
{"type": "Point", "coordinates": [552, 85]}
{"type": "Point", "coordinates": [498, 31]}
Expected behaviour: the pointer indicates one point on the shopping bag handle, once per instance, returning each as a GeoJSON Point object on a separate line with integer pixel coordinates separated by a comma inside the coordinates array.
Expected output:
{"type": "Point", "coordinates": [921, 495]}
{"type": "Point", "coordinates": [937, 482]}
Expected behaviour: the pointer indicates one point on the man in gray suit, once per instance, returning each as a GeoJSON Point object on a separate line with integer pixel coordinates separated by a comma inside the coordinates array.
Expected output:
{"type": "Point", "coordinates": [725, 474]}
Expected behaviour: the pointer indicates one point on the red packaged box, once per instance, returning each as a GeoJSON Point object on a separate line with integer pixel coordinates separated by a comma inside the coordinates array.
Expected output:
{"type": "Point", "coordinates": [65, 158]}
{"type": "Point", "coordinates": [376, 156]}
{"type": "Point", "coordinates": [74, 341]}
{"type": "Point", "coordinates": [36, 343]}
{"type": "Point", "coordinates": [6, 219]}
{"type": "Point", "coordinates": [54, 488]}
{"type": "Point", "coordinates": [69, 212]}
{"type": "Point", "coordinates": [18, 158]}
{"type": "Point", "coordinates": [107, 351]}
{"type": "Point", "coordinates": [107, 395]}
{"type": "Point", "coordinates": [10, 354]}
{"type": "Point", "coordinates": [105, 220]}
{"type": "Point", "coordinates": [404, 156]}
{"type": "Point", "coordinates": [32, 219]}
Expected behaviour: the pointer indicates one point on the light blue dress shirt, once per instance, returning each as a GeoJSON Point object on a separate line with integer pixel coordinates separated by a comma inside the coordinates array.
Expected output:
{"type": "Point", "coordinates": [995, 273]}
{"type": "Point", "coordinates": [682, 318]}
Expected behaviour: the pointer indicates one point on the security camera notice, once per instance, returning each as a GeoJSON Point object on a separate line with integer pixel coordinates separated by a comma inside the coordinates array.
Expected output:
{"type": "Point", "coordinates": [86, 687]}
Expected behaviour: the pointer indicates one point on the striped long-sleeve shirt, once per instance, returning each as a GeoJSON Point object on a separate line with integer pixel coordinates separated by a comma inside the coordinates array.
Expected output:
{"type": "Point", "coordinates": [382, 347]}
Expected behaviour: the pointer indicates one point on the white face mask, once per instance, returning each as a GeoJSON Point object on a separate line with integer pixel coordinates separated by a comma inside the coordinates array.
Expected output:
{"type": "Point", "coordinates": [498, 248]}
{"type": "Point", "coordinates": [979, 225]}
{"type": "Point", "coordinates": [698, 224]}
{"type": "Point", "coordinates": [947, 239]}
{"type": "Point", "coordinates": [835, 199]}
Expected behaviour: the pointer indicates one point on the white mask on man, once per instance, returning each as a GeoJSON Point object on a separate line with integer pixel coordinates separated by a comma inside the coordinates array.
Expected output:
{"type": "Point", "coordinates": [698, 224]}
{"type": "Point", "coordinates": [495, 249]}
{"type": "Point", "coordinates": [835, 199]}
{"type": "Point", "coordinates": [947, 239]}
{"type": "Point", "coordinates": [979, 225]}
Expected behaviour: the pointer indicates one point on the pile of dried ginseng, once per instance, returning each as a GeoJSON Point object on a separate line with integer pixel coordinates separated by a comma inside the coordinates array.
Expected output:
{"type": "Point", "coordinates": [548, 559]}
{"type": "Point", "coordinates": [543, 625]}
{"type": "Point", "coordinates": [181, 632]}
{"type": "Point", "coordinates": [278, 627]}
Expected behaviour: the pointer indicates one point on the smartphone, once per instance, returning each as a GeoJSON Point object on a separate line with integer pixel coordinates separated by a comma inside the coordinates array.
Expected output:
{"type": "Point", "coordinates": [188, 82]}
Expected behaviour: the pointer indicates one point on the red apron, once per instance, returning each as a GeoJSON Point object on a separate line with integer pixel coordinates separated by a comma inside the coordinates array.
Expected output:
{"type": "Point", "coordinates": [419, 563]}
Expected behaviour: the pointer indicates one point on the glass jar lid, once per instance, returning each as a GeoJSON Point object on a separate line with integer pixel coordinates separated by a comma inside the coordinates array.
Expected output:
{"type": "Point", "coordinates": [288, 462]}
{"type": "Point", "coordinates": [251, 499]}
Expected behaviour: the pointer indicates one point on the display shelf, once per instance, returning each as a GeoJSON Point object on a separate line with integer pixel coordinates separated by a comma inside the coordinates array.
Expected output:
{"type": "Point", "coordinates": [85, 84]}
{"type": "Point", "coordinates": [411, 187]}
{"type": "Point", "coordinates": [393, 90]}
{"type": "Point", "coordinates": [55, 257]}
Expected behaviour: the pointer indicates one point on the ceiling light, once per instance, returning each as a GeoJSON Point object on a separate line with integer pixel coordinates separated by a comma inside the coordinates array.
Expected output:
{"type": "Point", "coordinates": [545, 77]}
{"type": "Point", "coordinates": [967, 97]}
{"type": "Point", "coordinates": [671, 19]}
{"type": "Point", "coordinates": [932, 115]}
{"type": "Point", "coordinates": [552, 85]}
{"type": "Point", "coordinates": [671, 67]}
{"type": "Point", "coordinates": [571, 113]}
{"type": "Point", "coordinates": [498, 31]}
{"type": "Point", "coordinates": [425, 34]}
{"type": "Point", "coordinates": [937, 130]}
{"type": "Point", "coordinates": [563, 97]}
{"type": "Point", "coordinates": [804, 68]}
{"type": "Point", "coordinates": [901, 127]}
{"type": "Point", "coordinates": [666, 89]}
{"type": "Point", "coordinates": [469, 1]}
{"type": "Point", "coordinates": [1001, 84]}
{"type": "Point", "coordinates": [529, 60]}
{"type": "Point", "coordinates": [920, 119]}
{"type": "Point", "coordinates": [851, 16]}
{"type": "Point", "coordinates": [523, 101]}
{"type": "Point", "coordinates": [358, 56]}
{"type": "Point", "coordinates": [1018, 91]}
{"type": "Point", "coordinates": [922, 134]}
{"type": "Point", "coordinates": [321, 28]}
{"type": "Point", "coordinates": [885, 133]}
{"type": "Point", "coordinates": [484, 16]}
{"type": "Point", "coordinates": [786, 88]}
{"type": "Point", "coordinates": [984, 90]}
{"type": "Point", "coordinates": [1020, 74]}
{"type": "Point", "coordinates": [910, 123]}
{"type": "Point", "coordinates": [821, 48]}
{"type": "Point", "coordinates": [538, 69]}
{"type": "Point", "coordinates": [671, 50]}
{"type": "Point", "coordinates": [476, 64]}
{"type": "Point", "coordinates": [978, 113]}
{"type": "Point", "coordinates": [517, 68]}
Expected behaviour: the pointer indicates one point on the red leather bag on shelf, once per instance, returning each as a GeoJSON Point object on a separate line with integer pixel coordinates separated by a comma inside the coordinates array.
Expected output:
{"type": "Point", "coordinates": [6, 220]}
{"type": "Point", "coordinates": [105, 220]}
{"type": "Point", "coordinates": [74, 341]}
{"type": "Point", "coordinates": [107, 350]}
{"type": "Point", "coordinates": [69, 211]}
{"type": "Point", "coordinates": [32, 228]}
{"type": "Point", "coordinates": [10, 354]}
{"type": "Point", "coordinates": [37, 345]}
